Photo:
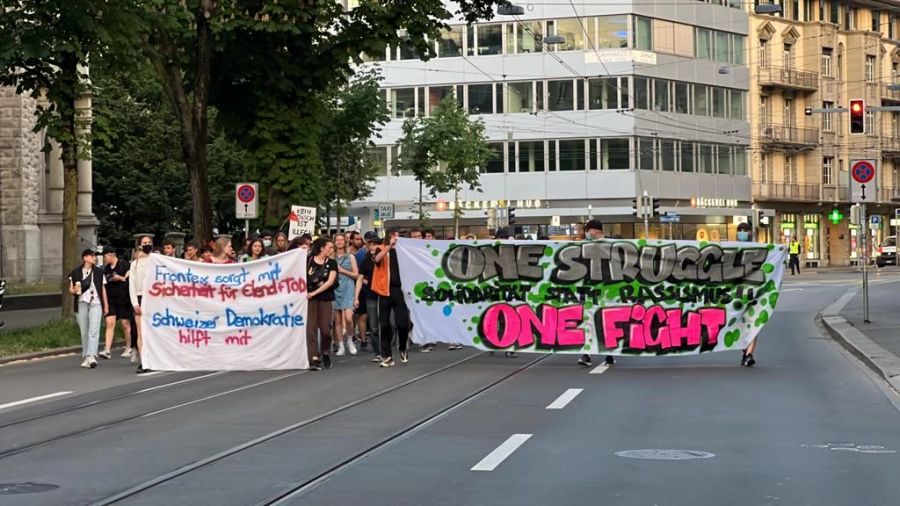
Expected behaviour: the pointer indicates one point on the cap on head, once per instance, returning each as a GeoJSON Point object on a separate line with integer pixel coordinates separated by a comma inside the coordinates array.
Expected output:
{"type": "Point", "coordinates": [371, 237]}
{"type": "Point", "coordinates": [88, 253]}
{"type": "Point", "coordinates": [109, 250]}
{"type": "Point", "coordinates": [743, 226]}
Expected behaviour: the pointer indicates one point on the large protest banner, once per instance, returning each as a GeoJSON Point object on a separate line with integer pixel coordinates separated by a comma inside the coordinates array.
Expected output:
{"type": "Point", "coordinates": [233, 317]}
{"type": "Point", "coordinates": [617, 297]}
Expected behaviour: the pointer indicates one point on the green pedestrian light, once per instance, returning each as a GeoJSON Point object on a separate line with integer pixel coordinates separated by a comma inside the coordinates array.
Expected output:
{"type": "Point", "coordinates": [836, 216]}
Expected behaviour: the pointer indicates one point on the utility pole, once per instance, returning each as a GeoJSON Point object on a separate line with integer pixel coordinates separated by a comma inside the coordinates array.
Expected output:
{"type": "Point", "coordinates": [645, 204]}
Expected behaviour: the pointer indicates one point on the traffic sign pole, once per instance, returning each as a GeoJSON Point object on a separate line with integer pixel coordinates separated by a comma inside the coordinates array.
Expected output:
{"type": "Point", "coordinates": [865, 260]}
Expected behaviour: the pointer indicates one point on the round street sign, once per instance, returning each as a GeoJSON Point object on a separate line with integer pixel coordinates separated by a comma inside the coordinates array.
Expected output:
{"type": "Point", "coordinates": [862, 171]}
{"type": "Point", "coordinates": [246, 193]}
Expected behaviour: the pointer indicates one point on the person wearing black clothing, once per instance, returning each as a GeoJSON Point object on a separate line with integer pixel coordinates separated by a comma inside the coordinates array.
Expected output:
{"type": "Point", "coordinates": [118, 301]}
{"type": "Point", "coordinates": [321, 277]}
{"type": "Point", "coordinates": [368, 298]}
{"type": "Point", "coordinates": [386, 282]}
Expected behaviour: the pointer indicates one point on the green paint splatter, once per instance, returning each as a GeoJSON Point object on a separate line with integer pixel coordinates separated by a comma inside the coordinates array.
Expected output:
{"type": "Point", "coordinates": [773, 299]}
{"type": "Point", "coordinates": [703, 244]}
{"type": "Point", "coordinates": [768, 268]}
{"type": "Point", "coordinates": [439, 272]}
{"type": "Point", "coordinates": [476, 319]}
{"type": "Point", "coordinates": [642, 242]}
{"type": "Point", "coordinates": [435, 253]}
{"type": "Point", "coordinates": [770, 247]}
{"type": "Point", "coordinates": [419, 289]}
{"type": "Point", "coordinates": [732, 337]}
{"type": "Point", "coordinates": [548, 251]}
{"type": "Point", "coordinates": [762, 318]}
{"type": "Point", "coordinates": [476, 340]}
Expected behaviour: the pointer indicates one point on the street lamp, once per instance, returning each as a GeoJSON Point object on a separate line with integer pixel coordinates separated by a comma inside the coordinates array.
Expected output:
{"type": "Point", "coordinates": [767, 9]}
{"type": "Point", "coordinates": [510, 10]}
{"type": "Point", "coordinates": [551, 40]}
{"type": "Point", "coordinates": [724, 70]}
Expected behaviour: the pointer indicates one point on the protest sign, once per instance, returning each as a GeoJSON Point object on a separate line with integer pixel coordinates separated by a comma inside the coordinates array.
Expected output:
{"type": "Point", "coordinates": [232, 317]}
{"type": "Point", "coordinates": [302, 221]}
{"type": "Point", "coordinates": [617, 297]}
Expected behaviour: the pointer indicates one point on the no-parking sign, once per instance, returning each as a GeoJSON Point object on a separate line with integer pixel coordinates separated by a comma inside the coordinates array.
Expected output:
{"type": "Point", "coordinates": [863, 182]}
{"type": "Point", "coordinates": [246, 196]}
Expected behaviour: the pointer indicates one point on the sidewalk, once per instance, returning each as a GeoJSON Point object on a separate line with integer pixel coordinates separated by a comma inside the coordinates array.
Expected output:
{"type": "Point", "coordinates": [876, 343]}
{"type": "Point", "coordinates": [17, 320]}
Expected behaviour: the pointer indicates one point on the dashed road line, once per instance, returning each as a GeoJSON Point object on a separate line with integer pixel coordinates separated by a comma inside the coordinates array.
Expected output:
{"type": "Point", "coordinates": [34, 399]}
{"type": "Point", "coordinates": [564, 399]}
{"type": "Point", "coordinates": [496, 457]}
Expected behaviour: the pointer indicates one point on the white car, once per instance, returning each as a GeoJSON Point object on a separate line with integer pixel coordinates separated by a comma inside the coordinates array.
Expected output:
{"type": "Point", "coordinates": [887, 252]}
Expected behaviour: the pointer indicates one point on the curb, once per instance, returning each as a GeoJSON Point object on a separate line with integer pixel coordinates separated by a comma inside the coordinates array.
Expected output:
{"type": "Point", "coordinates": [32, 301]}
{"type": "Point", "coordinates": [880, 360]}
{"type": "Point", "coordinates": [39, 354]}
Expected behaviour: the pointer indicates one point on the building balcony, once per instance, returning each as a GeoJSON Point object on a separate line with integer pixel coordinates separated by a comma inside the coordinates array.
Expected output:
{"type": "Point", "coordinates": [890, 147]}
{"type": "Point", "coordinates": [788, 79]}
{"type": "Point", "coordinates": [787, 192]}
{"type": "Point", "coordinates": [788, 137]}
{"type": "Point", "coordinates": [890, 95]}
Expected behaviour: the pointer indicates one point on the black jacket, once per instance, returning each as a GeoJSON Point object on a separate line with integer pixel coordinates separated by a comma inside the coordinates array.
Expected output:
{"type": "Point", "coordinates": [77, 276]}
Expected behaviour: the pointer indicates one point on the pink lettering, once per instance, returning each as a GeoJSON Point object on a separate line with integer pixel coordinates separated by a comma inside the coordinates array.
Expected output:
{"type": "Point", "coordinates": [611, 317]}
{"type": "Point", "coordinates": [503, 326]}
{"type": "Point", "coordinates": [657, 329]}
{"type": "Point", "coordinates": [491, 321]}
{"type": "Point", "coordinates": [713, 319]}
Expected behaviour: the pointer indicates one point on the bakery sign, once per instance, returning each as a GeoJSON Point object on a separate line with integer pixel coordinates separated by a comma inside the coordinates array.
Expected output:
{"type": "Point", "coordinates": [713, 202]}
{"type": "Point", "coordinates": [477, 205]}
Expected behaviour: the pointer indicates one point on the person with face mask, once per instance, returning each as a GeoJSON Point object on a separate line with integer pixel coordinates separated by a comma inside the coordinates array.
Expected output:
{"type": "Point", "coordinates": [136, 288]}
{"type": "Point", "coordinates": [593, 231]}
{"type": "Point", "coordinates": [268, 244]}
{"type": "Point", "coordinates": [743, 232]}
{"type": "Point", "coordinates": [744, 235]}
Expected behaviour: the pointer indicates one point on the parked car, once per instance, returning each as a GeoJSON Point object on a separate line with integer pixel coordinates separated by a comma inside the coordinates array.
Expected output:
{"type": "Point", "coordinates": [887, 252]}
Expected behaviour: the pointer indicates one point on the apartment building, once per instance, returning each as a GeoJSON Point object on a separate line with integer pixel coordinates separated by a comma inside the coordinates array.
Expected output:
{"type": "Point", "coordinates": [624, 98]}
{"type": "Point", "coordinates": [821, 54]}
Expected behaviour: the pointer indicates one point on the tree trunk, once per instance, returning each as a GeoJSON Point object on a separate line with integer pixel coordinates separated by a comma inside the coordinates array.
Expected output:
{"type": "Point", "coordinates": [421, 206]}
{"type": "Point", "coordinates": [69, 222]}
{"type": "Point", "coordinates": [327, 218]}
{"type": "Point", "coordinates": [456, 212]}
{"type": "Point", "coordinates": [337, 212]}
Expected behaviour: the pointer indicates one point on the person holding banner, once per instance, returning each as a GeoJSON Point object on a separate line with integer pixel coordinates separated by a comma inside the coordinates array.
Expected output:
{"type": "Point", "coordinates": [321, 276]}
{"type": "Point", "coordinates": [345, 295]}
{"type": "Point", "coordinates": [743, 235]}
{"type": "Point", "coordinates": [386, 283]}
{"type": "Point", "coordinates": [256, 251]}
{"type": "Point", "coordinates": [223, 252]}
{"type": "Point", "coordinates": [593, 231]}
{"type": "Point", "coordinates": [136, 290]}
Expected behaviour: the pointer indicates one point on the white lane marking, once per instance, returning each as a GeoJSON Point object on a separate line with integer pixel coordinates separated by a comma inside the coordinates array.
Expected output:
{"type": "Point", "coordinates": [166, 385]}
{"type": "Point", "coordinates": [785, 290]}
{"type": "Point", "coordinates": [496, 457]}
{"type": "Point", "coordinates": [151, 373]}
{"type": "Point", "coordinates": [34, 399]}
{"type": "Point", "coordinates": [600, 369]}
{"type": "Point", "coordinates": [220, 394]}
{"type": "Point", "coordinates": [565, 398]}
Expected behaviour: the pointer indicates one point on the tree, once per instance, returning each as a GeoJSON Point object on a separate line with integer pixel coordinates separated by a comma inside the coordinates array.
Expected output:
{"type": "Point", "coordinates": [445, 152]}
{"type": "Point", "coordinates": [353, 115]}
{"type": "Point", "coordinates": [44, 53]}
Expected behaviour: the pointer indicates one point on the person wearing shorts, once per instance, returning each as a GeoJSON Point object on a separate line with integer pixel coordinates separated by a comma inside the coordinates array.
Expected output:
{"type": "Point", "coordinates": [119, 306]}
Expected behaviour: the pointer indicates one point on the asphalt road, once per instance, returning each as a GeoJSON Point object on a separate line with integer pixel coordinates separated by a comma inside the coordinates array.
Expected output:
{"type": "Point", "coordinates": [808, 425]}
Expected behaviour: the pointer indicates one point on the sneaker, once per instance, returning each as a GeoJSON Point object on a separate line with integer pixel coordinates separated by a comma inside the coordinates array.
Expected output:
{"type": "Point", "coordinates": [315, 365]}
{"type": "Point", "coordinates": [585, 360]}
{"type": "Point", "coordinates": [104, 355]}
{"type": "Point", "coordinates": [609, 360]}
{"type": "Point", "coordinates": [326, 361]}
{"type": "Point", "coordinates": [340, 351]}
{"type": "Point", "coordinates": [140, 369]}
{"type": "Point", "coordinates": [376, 358]}
{"type": "Point", "coordinates": [388, 362]}
{"type": "Point", "coordinates": [750, 360]}
{"type": "Point", "coordinates": [126, 353]}
{"type": "Point", "coordinates": [511, 354]}
{"type": "Point", "coordinates": [744, 358]}
{"type": "Point", "coordinates": [425, 349]}
{"type": "Point", "coordinates": [92, 362]}
{"type": "Point", "coordinates": [404, 357]}
{"type": "Point", "coordinates": [86, 363]}
{"type": "Point", "coordinates": [351, 347]}
{"type": "Point", "coordinates": [134, 356]}
{"type": "Point", "coordinates": [453, 347]}
{"type": "Point", "coordinates": [364, 345]}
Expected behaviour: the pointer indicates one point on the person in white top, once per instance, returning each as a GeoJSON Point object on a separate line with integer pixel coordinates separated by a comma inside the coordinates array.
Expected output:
{"type": "Point", "coordinates": [136, 288]}
{"type": "Point", "coordinates": [87, 284]}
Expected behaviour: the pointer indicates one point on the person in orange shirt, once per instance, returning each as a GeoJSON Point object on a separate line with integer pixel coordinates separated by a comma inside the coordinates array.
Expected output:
{"type": "Point", "coordinates": [386, 283]}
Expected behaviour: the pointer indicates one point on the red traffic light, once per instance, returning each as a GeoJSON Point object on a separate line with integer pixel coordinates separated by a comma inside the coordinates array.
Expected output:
{"type": "Point", "coordinates": [856, 106]}
{"type": "Point", "coordinates": [857, 116]}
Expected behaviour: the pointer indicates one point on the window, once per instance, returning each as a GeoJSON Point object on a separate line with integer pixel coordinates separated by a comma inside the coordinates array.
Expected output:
{"type": "Point", "coordinates": [740, 161]}
{"type": "Point", "coordinates": [765, 169]}
{"type": "Point", "coordinates": [612, 32]}
{"type": "Point", "coordinates": [682, 98]}
{"type": "Point", "coordinates": [703, 44]}
{"type": "Point", "coordinates": [402, 102]}
{"type": "Point", "coordinates": [519, 97]}
{"type": "Point", "coordinates": [724, 160]}
{"type": "Point", "coordinates": [876, 21]}
{"type": "Point", "coordinates": [788, 56]}
{"type": "Point", "coordinates": [530, 37]}
{"type": "Point", "coordinates": [828, 170]}
{"type": "Point", "coordinates": [667, 156]}
{"type": "Point", "coordinates": [701, 104]}
{"type": "Point", "coordinates": [438, 93]}
{"type": "Point", "coordinates": [407, 51]}
{"type": "Point", "coordinates": [643, 33]}
{"type": "Point", "coordinates": [660, 95]}
{"type": "Point", "coordinates": [763, 53]}
{"type": "Point", "coordinates": [718, 102]}
{"type": "Point", "coordinates": [646, 154]}
{"type": "Point", "coordinates": [764, 118]}
{"type": "Point", "coordinates": [706, 162]}
{"type": "Point", "coordinates": [531, 156]}
{"type": "Point", "coordinates": [603, 93]}
{"type": "Point", "coordinates": [614, 154]}
{"type": "Point", "coordinates": [684, 40]}
{"type": "Point", "coordinates": [378, 156]}
{"type": "Point", "coordinates": [736, 99]}
{"type": "Point", "coordinates": [490, 39]}
{"type": "Point", "coordinates": [739, 52]}
{"type": "Point", "coordinates": [395, 159]}
{"type": "Point", "coordinates": [835, 11]}
{"type": "Point", "coordinates": [687, 157]}
{"type": "Point", "coordinates": [420, 101]}
{"type": "Point", "coordinates": [723, 51]}
{"type": "Point", "coordinates": [895, 125]}
{"type": "Point", "coordinates": [571, 155]}
{"type": "Point", "coordinates": [663, 36]}
{"type": "Point", "coordinates": [870, 69]}
{"type": "Point", "coordinates": [826, 61]}
{"type": "Point", "coordinates": [481, 100]}
{"type": "Point", "coordinates": [496, 164]}
{"type": "Point", "coordinates": [551, 155]}
{"type": "Point", "coordinates": [561, 95]}
{"type": "Point", "coordinates": [790, 170]}
{"type": "Point", "coordinates": [451, 42]}
{"type": "Point", "coordinates": [891, 22]}
{"type": "Point", "coordinates": [641, 93]}
{"type": "Point", "coordinates": [826, 117]}
{"type": "Point", "coordinates": [570, 29]}
{"type": "Point", "coordinates": [789, 112]}
{"type": "Point", "coordinates": [870, 123]}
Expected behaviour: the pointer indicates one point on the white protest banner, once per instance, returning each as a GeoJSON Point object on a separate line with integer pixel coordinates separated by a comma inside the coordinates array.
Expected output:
{"type": "Point", "coordinates": [302, 221]}
{"type": "Point", "coordinates": [616, 297]}
{"type": "Point", "coordinates": [232, 317]}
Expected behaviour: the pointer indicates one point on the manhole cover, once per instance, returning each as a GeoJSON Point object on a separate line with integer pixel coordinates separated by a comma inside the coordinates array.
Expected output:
{"type": "Point", "coordinates": [665, 454]}
{"type": "Point", "coordinates": [25, 488]}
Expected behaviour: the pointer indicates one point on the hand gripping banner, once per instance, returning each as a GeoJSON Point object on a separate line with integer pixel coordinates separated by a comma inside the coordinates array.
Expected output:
{"type": "Point", "coordinates": [233, 317]}
{"type": "Point", "coordinates": [616, 297]}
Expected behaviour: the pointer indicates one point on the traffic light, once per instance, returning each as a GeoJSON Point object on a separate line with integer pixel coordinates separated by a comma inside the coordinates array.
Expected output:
{"type": "Point", "coordinates": [654, 206]}
{"type": "Point", "coordinates": [857, 116]}
{"type": "Point", "coordinates": [637, 208]}
{"type": "Point", "coordinates": [511, 216]}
